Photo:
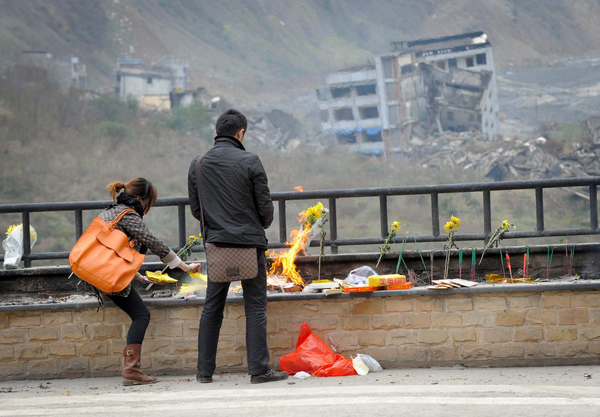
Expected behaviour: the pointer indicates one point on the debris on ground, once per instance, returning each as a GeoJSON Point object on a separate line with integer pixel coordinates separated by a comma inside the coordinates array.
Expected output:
{"type": "Point", "coordinates": [507, 159]}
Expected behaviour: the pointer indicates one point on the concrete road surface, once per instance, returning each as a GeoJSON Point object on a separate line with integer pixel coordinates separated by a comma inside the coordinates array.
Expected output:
{"type": "Point", "coordinates": [457, 391]}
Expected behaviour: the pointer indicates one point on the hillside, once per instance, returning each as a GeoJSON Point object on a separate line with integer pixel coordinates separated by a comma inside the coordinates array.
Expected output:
{"type": "Point", "coordinates": [261, 50]}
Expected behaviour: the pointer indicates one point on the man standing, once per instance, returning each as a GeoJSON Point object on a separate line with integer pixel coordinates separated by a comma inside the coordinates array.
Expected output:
{"type": "Point", "coordinates": [237, 207]}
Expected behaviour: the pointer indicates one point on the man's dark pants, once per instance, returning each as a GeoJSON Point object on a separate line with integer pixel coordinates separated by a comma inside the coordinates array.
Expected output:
{"type": "Point", "coordinates": [255, 305]}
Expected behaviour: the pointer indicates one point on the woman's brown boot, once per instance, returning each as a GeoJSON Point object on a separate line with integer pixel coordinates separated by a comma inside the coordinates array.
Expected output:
{"type": "Point", "coordinates": [132, 374]}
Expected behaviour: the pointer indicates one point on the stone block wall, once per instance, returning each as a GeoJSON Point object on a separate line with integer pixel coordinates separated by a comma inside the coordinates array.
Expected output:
{"type": "Point", "coordinates": [480, 329]}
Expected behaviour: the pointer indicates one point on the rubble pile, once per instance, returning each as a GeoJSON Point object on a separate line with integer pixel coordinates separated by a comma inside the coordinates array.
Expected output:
{"type": "Point", "coordinates": [507, 159]}
{"type": "Point", "coordinates": [276, 129]}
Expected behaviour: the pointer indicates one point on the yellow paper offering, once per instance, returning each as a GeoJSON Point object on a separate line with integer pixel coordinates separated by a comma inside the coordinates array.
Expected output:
{"type": "Point", "coordinates": [198, 275]}
{"type": "Point", "coordinates": [187, 288]}
{"type": "Point", "coordinates": [159, 277]}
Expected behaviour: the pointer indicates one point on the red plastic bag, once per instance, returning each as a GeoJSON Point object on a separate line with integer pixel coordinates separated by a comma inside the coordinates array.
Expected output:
{"type": "Point", "coordinates": [312, 355]}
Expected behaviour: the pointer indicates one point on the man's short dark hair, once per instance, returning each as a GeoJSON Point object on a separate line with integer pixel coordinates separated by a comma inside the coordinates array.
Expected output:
{"type": "Point", "coordinates": [230, 122]}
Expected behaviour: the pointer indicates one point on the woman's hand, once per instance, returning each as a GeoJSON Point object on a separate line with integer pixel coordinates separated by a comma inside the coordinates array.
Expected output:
{"type": "Point", "coordinates": [195, 267]}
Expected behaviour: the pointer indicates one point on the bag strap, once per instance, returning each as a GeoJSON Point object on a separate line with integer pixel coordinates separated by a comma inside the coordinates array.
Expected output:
{"type": "Point", "coordinates": [117, 219]}
{"type": "Point", "coordinates": [199, 199]}
{"type": "Point", "coordinates": [112, 225]}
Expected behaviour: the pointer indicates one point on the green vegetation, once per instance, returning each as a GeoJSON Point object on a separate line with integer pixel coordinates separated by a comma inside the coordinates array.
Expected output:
{"type": "Point", "coordinates": [111, 108]}
{"type": "Point", "coordinates": [114, 130]}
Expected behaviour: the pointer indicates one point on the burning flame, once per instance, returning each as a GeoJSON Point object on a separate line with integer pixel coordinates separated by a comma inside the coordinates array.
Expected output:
{"type": "Point", "coordinates": [284, 262]}
{"type": "Point", "coordinates": [299, 188]}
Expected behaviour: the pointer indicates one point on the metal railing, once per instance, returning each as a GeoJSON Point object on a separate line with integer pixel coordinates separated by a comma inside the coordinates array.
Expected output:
{"type": "Point", "coordinates": [333, 195]}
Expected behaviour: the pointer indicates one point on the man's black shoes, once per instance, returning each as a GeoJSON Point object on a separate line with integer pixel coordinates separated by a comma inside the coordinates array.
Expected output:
{"type": "Point", "coordinates": [269, 376]}
{"type": "Point", "coordinates": [203, 379]}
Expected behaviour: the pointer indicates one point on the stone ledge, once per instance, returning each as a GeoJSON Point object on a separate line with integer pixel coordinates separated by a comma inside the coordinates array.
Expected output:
{"type": "Point", "coordinates": [498, 288]}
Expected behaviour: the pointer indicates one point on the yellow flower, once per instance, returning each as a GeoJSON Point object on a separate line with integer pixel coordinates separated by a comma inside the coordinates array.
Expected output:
{"type": "Point", "coordinates": [11, 228]}
{"type": "Point", "coordinates": [449, 226]}
{"type": "Point", "coordinates": [315, 211]}
{"type": "Point", "coordinates": [396, 226]}
{"type": "Point", "coordinates": [16, 226]}
{"type": "Point", "coordinates": [455, 220]}
{"type": "Point", "coordinates": [505, 224]}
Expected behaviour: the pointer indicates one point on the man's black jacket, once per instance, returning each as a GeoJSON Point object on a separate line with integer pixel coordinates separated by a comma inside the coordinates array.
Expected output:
{"type": "Point", "coordinates": [235, 195]}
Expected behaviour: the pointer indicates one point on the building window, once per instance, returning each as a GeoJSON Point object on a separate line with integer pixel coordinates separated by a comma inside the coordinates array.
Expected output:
{"type": "Point", "coordinates": [393, 114]}
{"type": "Point", "coordinates": [340, 92]}
{"type": "Point", "coordinates": [366, 90]}
{"type": "Point", "coordinates": [322, 94]}
{"type": "Point", "coordinates": [481, 59]}
{"type": "Point", "coordinates": [450, 115]}
{"type": "Point", "coordinates": [368, 112]}
{"type": "Point", "coordinates": [471, 117]}
{"type": "Point", "coordinates": [390, 91]}
{"type": "Point", "coordinates": [441, 65]}
{"type": "Point", "coordinates": [491, 109]}
{"type": "Point", "coordinates": [346, 138]}
{"type": "Point", "coordinates": [375, 137]}
{"type": "Point", "coordinates": [345, 113]}
{"type": "Point", "coordinates": [324, 116]}
{"type": "Point", "coordinates": [149, 80]}
{"type": "Point", "coordinates": [470, 62]}
{"type": "Point", "coordinates": [388, 69]}
{"type": "Point", "coordinates": [452, 62]}
{"type": "Point", "coordinates": [406, 69]}
{"type": "Point", "coordinates": [118, 78]}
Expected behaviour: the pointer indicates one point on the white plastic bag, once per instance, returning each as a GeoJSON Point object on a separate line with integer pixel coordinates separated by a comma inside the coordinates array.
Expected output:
{"type": "Point", "coordinates": [360, 276]}
{"type": "Point", "coordinates": [359, 366]}
{"type": "Point", "coordinates": [371, 363]}
{"type": "Point", "coordinates": [13, 245]}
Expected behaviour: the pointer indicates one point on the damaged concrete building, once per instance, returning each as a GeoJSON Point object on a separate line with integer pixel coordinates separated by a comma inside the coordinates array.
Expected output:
{"type": "Point", "coordinates": [153, 87]}
{"type": "Point", "coordinates": [349, 108]}
{"type": "Point", "coordinates": [66, 71]}
{"type": "Point", "coordinates": [441, 84]}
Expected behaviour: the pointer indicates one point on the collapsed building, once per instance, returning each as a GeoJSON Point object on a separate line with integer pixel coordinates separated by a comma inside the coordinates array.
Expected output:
{"type": "Point", "coordinates": [153, 87]}
{"type": "Point", "coordinates": [443, 84]}
{"type": "Point", "coordinates": [164, 86]}
{"type": "Point", "coordinates": [67, 71]}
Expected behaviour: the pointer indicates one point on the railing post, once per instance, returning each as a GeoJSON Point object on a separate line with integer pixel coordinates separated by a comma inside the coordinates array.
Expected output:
{"type": "Point", "coordinates": [435, 215]}
{"type": "Point", "coordinates": [181, 216]}
{"type": "Point", "coordinates": [333, 224]}
{"type": "Point", "coordinates": [26, 240]}
{"type": "Point", "coordinates": [282, 222]}
{"type": "Point", "coordinates": [539, 208]}
{"type": "Point", "coordinates": [78, 223]}
{"type": "Point", "coordinates": [383, 215]}
{"type": "Point", "coordinates": [593, 207]}
{"type": "Point", "coordinates": [487, 215]}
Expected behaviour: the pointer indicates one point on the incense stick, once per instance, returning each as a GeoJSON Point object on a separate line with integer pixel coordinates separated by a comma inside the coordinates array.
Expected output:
{"type": "Point", "coordinates": [502, 261]}
{"type": "Point", "coordinates": [509, 267]}
{"type": "Point", "coordinates": [527, 264]}
{"type": "Point", "coordinates": [421, 255]}
{"type": "Point", "coordinates": [400, 258]}
{"type": "Point", "coordinates": [473, 265]}
{"type": "Point", "coordinates": [431, 275]}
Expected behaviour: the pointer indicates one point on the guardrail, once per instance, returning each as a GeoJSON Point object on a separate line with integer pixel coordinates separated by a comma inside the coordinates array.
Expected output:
{"type": "Point", "coordinates": [333, 195]}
